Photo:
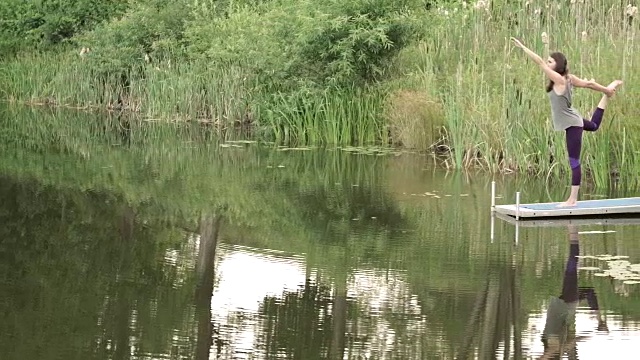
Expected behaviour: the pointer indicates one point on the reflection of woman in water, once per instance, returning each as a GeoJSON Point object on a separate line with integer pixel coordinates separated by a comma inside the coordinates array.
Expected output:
{"type": "Point", "coordinates": [559, 335]}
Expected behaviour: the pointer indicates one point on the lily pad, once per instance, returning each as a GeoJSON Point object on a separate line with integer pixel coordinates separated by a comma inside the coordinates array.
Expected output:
{"type": "Point", "coordinates": [595, 232]}
{"type": "Point", "coordinates": [242, 141]}
{"type": "Point", "coordinates": [295, 149]}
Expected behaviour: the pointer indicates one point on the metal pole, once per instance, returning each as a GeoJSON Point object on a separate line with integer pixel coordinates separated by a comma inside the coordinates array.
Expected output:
{"type": "Point", "coordinates": [518, 205]}
{"type": "Point", "coordinates": [493, 226]}
{"type": "Point", "coordinates": [493, 195]}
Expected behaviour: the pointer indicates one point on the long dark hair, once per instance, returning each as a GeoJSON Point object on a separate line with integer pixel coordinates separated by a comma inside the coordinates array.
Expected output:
{"type": "Point", "coordinates": [562, 67]}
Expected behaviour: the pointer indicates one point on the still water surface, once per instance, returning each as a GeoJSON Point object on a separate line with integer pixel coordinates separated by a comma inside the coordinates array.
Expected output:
{"type": "Point", "coordinates": [118, 247]}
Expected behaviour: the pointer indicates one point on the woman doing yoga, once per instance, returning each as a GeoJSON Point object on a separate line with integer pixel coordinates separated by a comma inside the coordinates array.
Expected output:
{"type": "Point", "coordinates": [564, 116]}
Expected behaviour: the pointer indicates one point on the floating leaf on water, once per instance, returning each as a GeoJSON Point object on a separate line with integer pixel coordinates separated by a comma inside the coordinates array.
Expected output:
{"type": "Point", "coordinates": [595, 232]}
{"type": "Point", "coordinates": [225, 145]}
{"type": "Point", "coordinates": [622, 275]}
{"type": "Point", "coordinates": [242, 141]}
{"type": "Point", "coordinates": [600, 274]}
{"type": "Point", "coordinates": [586, 257]}
{"type": "Point", "coordinates": [464, 194]}
{"type": "Point", "coordinates": [589, 268]}
{"type": "Point", "coordinates": [447, 195]}
{"type": "Point", "coordinates": [619, 257]}
{"type": "Point", "coordinates": [429, 194]}
{"type": "Point", "coordinates": [630, 278]}
{"type": "Point", "coordinates": [631, 282]}
{"type": "Point", "coordinates": [436, 196]}
{"type": "Point", "coordinates": [618, 263]}
{"type": "Point", "coordinates": [373, 217]}
{"type": "Point", "coordinates": [634, 267]}
{"type": "Point", "coordinates": [280, 166]}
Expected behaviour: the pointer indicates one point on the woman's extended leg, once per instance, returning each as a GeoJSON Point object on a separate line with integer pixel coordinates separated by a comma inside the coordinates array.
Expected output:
{"type": "Point", "coordinates": [596, 118]}
{"type": "Point", "coordinates": [574, 147]}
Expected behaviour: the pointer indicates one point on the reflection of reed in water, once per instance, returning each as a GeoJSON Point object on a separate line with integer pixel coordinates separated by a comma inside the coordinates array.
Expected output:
{"type": "Point", "coordinates": [494, 319]}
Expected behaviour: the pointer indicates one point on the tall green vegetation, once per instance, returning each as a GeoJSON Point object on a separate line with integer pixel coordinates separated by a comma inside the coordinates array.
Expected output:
{"type": "Point", "coordinates": [496, 112]}
{"type": "Point", "coordinates": [406, 73]}
{"type": "Point", "coordinates": [300, 72]}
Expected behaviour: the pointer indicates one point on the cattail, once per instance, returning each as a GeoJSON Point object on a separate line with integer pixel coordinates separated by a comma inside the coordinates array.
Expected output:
{"type": "Point", "coordinates": [481, 5]}
{"type": "Point", "coordinates": [545, 38]}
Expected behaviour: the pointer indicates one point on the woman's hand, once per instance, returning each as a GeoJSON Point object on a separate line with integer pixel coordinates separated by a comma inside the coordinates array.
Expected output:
{"type": "Point", "coordinates": [517, 43]}
{"type": "Point", "coordinates": [610, 92]}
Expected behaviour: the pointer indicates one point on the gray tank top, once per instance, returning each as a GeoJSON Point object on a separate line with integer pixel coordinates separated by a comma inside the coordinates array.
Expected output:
{"type": "Point", "coordinates": [562, 113]}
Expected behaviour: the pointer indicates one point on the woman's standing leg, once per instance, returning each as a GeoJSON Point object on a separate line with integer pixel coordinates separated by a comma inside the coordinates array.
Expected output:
{"type": "Point", "coordinates": [574, 147]}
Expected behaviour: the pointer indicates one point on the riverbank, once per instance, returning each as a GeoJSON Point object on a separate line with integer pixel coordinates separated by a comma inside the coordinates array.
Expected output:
{"type": "Point", "coordinates": [452, 83]}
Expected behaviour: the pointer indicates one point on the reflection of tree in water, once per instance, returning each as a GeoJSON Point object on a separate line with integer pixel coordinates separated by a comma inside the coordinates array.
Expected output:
{"type": "Point", "coordinates": [321, 322]}
{"type": "Point", "coordinates": [83, 278]}
{"type": "Point", "coordinates": [307, 324]}
{"type": "Point", "coordinates": [496, 318]}
{"type": "Point", "coordinates": [329, 209]}
{"type": "Point", "coordinates": [209, 230]}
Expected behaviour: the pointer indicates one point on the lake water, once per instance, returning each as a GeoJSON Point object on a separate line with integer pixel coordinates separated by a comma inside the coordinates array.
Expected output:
{"type": "Point", "coordinates": [121, 241]}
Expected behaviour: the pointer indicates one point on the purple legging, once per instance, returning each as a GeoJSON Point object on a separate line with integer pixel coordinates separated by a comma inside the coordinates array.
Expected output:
{"type": "Point", "coordinates": [570, 290]}
{"type": "Point", "coordinates": [574, 143]}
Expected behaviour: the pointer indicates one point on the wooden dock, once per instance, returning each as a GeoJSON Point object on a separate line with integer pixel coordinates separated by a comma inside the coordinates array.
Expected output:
{"type": "Point", "coordinates": [575, 221]}
{"type": "Point", "coordinates": [593, 208]}
{"type": "Point", "coordinates": [629, 206]}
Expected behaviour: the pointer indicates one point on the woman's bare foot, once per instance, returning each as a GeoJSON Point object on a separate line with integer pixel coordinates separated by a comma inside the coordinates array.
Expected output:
{"type": "Point", "coordinates": [573, 197]}
{"type": "Point", "coordinates": [568, 203]}
{"type": "Point", "coordinates": [613, 86]}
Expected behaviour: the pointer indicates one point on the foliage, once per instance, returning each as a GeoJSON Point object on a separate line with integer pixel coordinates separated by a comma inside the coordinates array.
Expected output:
{"type": "Point", "coordinates": [355, 42]}
{"type": "Point", "coordinates": [318, 44]}
{"type": "Point", "coordinates": [29, 25]}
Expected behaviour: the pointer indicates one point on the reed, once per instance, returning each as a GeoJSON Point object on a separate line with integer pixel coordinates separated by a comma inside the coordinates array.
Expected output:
{"type": "Point", "coordinates": [223, 97]}
{"type": "Point", "coordinates": [333, 117]}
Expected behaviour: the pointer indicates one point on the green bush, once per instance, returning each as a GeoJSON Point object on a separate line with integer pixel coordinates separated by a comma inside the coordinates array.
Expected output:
{"type": "Point", "coordinates": [149, 34]}
{"type": "Point", "coordinates": [355, 42]}
{"type": "Point", "coordinates": [37, 25]}
{"type": "Point", "coordinates": [319, 44]}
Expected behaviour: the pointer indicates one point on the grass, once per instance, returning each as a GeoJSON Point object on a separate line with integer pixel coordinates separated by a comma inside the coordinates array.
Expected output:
{"type": "Point", "coordinates": [464, 89]}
